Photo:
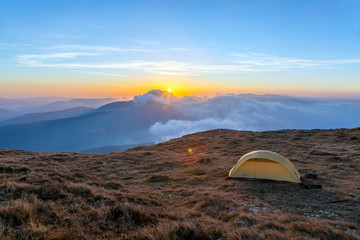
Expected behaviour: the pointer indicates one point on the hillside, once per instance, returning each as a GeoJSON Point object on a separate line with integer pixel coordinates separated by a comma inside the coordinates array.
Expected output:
{"type": "Point", "coordinates": [72, 103]}
{"type": "Point", "coordinates": [165, 192]}
{"type": "Point", "coordinates": [6, 114]}
{"type": "Point", "coordinates": [111, 124]}
{"type": "Point", "coordinates": [44, 116]}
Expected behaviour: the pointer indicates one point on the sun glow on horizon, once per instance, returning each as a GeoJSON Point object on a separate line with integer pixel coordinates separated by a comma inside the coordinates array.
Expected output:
{"type": "Point", "coordinates": [138, 85]}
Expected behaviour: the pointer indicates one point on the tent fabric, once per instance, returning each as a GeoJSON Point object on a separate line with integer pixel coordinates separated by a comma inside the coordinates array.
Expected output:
{"type": "Point", "coordinates": [264, 164]}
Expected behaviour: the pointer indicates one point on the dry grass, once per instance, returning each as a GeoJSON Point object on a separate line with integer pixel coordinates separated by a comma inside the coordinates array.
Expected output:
{"type": "Point", "coordinates": [165, 191]}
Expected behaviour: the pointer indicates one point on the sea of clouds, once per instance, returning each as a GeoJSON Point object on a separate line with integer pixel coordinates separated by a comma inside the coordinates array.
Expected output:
{"type": "Point", "coordinates": [250, 112]}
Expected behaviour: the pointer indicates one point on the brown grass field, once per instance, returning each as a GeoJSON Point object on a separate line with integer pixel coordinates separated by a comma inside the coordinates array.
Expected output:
{"type": "Point", "coordinates": [165, 192]}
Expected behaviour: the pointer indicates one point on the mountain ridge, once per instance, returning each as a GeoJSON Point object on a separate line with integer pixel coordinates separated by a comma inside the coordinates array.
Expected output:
{"type": "Point", "coordinates": [91, 130]}
{"type": "Point", "coordinates": [46, 116]}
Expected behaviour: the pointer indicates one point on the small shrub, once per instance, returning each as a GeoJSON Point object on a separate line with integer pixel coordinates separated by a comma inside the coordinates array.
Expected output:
{"type": "Point", "coordinates": [317, 230]}
{"type": "Point", "coordinates": [194, 231]}
{"type": "Point", "coordinates": [6, 169]}
{"type": "Point", "coordinates": [112, 186]}
{"type": "Point", "coordinates": [78, 189]}
{"type": "Point", "coordinates": [50, 192]}
{"type": "Point", "coordinates": [121, 216]}
{"type": "Point", "coordinates": [197, 171]}
{"type": "Point", "coordinates": [247, 220]}
{"type": "Point", "coordinates": [272, 225]}
{"type": "Point", "coordinates": [157, 178]}
{"type": "Point", "coordinates": [353, 138]}
{"type": "Point", "coordinates": [16, 214]}
{"type": "Point", "coordinates": [273, 235]}
{"type": "Point", "coordinates": [320, 153]}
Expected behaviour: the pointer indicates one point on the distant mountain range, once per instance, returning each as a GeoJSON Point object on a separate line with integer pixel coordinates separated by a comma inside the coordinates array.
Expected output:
{"type": "Point", "coordinates": [49, 104]}
{"type": "Point", "coordinates": [23, 107]}
{"type": "Point", "coordinates": [36, 117]}
{"type": "Point", "coordinates": [6, 114]}
{"type": "Point", "coordinates": [61, 105]}
{"type": "Point", "coordinates": [106, 125]}
{"type": "Point", "coordinates": [118, 123]}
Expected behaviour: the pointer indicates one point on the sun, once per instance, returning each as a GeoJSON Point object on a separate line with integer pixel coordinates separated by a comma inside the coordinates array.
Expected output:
{"type": "Point", "coordinates": [169, 90]}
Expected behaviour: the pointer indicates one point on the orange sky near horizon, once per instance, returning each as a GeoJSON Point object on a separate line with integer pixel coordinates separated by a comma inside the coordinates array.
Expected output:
{"type": "Point", "coordinates": [136, 85]}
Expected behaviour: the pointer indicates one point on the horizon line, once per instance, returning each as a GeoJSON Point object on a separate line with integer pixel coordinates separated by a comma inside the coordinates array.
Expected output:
{"type": "Point", "coordinates": [322, 96]}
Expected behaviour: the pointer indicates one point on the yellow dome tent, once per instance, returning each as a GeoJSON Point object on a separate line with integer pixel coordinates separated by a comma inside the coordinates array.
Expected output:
{"type": "Point", "coordinates": [264, 164]}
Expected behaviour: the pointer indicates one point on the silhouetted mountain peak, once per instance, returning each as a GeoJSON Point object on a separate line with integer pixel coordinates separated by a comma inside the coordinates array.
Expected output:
{"type": "Point", "coordinates": [77, 102]}
{"type": "Point", "coordinates": [116, 106]}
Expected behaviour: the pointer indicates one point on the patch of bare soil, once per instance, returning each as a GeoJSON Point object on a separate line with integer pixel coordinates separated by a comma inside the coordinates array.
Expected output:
{"type": "Point", "coordinates": [179, 190]}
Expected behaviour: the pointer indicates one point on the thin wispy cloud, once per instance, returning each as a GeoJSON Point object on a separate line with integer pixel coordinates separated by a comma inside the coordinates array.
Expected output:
{"type": "Point", "coordinates": [7, 45]}
{"type": "Point", "coordinates": [165, 67]}
{"type": "Point", "coordinates": [147, 42]}
{"type": "Point", "coordinates": [65, 36]}
{"type": "Point", "coordinates": [36, 59]}
{"type": "Point", "coordinates": [58, 55]}
{"type": "Point", "coordinates": [96, 48]}
{"type": "Point", "coordinates": [156, 67]}
{"type": "Point", "coordinates": [94, 25]}
{"type": "Point", "coordinates": [261, 61]}
{"type": "Point", "coordinates": [237, 62]}
{"type": "Point", "coordinates": [101, 73]}
{"type": "Point", "coordinates": [179, 49]}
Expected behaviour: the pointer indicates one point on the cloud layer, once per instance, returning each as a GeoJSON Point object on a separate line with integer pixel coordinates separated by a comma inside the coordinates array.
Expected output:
{"type": "Point", "coordinates": [255, 113]}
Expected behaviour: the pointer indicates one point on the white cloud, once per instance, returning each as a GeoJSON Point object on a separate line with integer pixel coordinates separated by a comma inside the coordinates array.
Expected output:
{"type": "Point", "coordinates": [94, 25]}
{"type": "Point", "coordinates": [253, 62]}
{"type": "Point", "coordinates": [256, 113]}
{"type": "Point", "coordinates": [96, 48]}
{"type": "Point", "coordinates": [147, 42]}
{"type": "Point", "coordinates": [265, 61]}
{"type": "Point", "coordinates": [54, 55]}
{"type": "Point", "coordinates": [177, 128]}
{"type": "Point", "coordinates": [101, 73]}
{"type": "Point", "coordinates": [155, 95]}
{"type": "Point", "coordinates": [156, 67]}
{"type": "Point", "coordinates": [179, 49]}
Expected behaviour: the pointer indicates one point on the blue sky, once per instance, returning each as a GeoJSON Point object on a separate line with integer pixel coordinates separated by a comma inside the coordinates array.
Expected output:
{"type": "Point", "coordinates": [114, 48]}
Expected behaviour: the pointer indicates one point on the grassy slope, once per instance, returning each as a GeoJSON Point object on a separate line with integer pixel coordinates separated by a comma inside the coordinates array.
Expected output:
{"type": "Point", "coordinates": [164, 192]}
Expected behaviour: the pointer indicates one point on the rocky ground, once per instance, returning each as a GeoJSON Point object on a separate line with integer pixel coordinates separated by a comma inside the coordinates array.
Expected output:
{"type": "Point", "coordinates": [165, 191]}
